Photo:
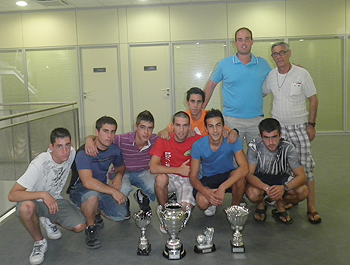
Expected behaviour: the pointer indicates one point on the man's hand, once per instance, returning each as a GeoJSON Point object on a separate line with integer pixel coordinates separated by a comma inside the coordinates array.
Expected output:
{"type": "Point", "coordinates": [90, 147]}
{"type": "Point", "coordinates": [311, 132]}
{"type": "Point", "coordinates": [232, 136]}
{"type": "Point", "coordinates": [184, 170]}
{"type": "Point", "coordinates": [276, 192]}
{"type": "Point", "coordinates": [164, 134]}
{"type": "Point", "coordinates": [119, 197]}
{"type": "Point", "coordinates": [51, 203]}
{"type": "Point", "coordinates": [212, 197]}
{"type": "Point", "coordinates": [116, 183]}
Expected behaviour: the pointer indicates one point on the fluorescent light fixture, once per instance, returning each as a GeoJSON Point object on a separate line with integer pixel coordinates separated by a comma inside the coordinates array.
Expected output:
{"type": "Point", "coordinates": [21, 3]}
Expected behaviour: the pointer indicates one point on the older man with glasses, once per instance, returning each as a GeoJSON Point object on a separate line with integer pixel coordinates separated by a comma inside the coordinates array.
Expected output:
{"type": "Point", "coordinates": [291, 85]}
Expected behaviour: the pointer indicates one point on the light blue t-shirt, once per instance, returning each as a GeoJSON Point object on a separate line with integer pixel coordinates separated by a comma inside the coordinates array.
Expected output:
{"type": "Point", "coordinates": [242, 86]}
{"type": "Point", "coordinates": [220, 161]}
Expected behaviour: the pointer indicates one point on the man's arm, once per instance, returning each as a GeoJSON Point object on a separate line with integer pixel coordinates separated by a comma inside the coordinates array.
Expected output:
{"type": "Point", "coordinates": [239, 173]}
{"type": "Point", "coordinates": [298, 180]}
{"type": "Point", "coordinates": [255, 181]}
{"type": "Point", "coordinates": [19, 194]}
{"type": "Point", "coordinates": [311, 131]}
{"type": "Point", "coordinates": [156, 167]}
{"type": "Point", "coordinates": [208, 91]}
{"type": "Point", "coordinates": [90, 146]}
{"type": "Point", "coordinates": [117, 181]}
{"type": "Point", "coordinates": [90, 183]}
{"type": "Point", "coordinates": [165, 134]}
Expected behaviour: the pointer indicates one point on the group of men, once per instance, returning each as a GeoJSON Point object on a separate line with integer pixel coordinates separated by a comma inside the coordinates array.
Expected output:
{"type": "Point", "coordinates": [196, 158]}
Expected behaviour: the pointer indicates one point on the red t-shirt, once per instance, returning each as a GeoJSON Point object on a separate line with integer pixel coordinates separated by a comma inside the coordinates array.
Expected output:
{"type": "Point", "coordinates": [172, 153]}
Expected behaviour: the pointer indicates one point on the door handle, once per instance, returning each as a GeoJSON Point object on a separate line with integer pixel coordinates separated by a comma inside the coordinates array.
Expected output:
{"type": "Point", "coordinates": [166, 90]}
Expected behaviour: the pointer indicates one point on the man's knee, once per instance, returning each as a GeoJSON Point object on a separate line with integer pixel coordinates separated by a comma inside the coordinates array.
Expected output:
{"type": "Point", "coordinates": [79, 228]}
{"type": "Point", "coordinates": [27, 208]}
{"type": "Point", "coordinates": [162, 180]}
{"type": "Point", "coordinates": [253, 193]}
{"type": "Point", "coordinates": [302, 192]}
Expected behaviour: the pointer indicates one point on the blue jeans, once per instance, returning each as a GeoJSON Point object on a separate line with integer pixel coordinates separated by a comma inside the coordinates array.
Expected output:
{"type": "Point", "coordinates": [141, 179]}
{"type": "Point", "coordinates": [106, 203]}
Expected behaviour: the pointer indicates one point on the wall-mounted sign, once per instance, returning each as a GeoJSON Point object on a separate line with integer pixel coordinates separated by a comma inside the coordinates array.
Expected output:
{"type": "Point", "coordinates": [150, 68]}
{"type": "Point", "coordinates": [99, 70]}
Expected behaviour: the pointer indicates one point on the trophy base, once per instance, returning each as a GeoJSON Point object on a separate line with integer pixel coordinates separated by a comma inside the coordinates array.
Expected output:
{"type": "Point", "coordinates": [144, 252]}
{"type": "Point", "coordinates": [237, 249]}
{"type": "Point", "coordinates": [173, 254]}
{"type": "Point", "coordinates": [204, 249]}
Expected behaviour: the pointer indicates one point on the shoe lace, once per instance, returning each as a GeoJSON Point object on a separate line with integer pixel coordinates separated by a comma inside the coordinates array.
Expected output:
{"type": "Point", "coordinates": [53, 228]}
{"type": "Point", "coordinates": [37, 250]}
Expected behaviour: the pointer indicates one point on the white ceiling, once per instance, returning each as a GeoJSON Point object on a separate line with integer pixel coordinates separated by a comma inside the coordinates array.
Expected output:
{"type": "Point", "coordinates": [10, 5]}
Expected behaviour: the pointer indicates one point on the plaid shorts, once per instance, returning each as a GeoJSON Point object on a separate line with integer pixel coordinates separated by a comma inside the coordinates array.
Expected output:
{"type": "Point", "coordinates": [298, 136]}
{"type": "Point", "coordinates": [182, 187]}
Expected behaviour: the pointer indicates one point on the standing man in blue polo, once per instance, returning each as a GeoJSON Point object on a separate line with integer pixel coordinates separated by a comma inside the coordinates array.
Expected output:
{"type": "Point", "coordinates": [242, 77]}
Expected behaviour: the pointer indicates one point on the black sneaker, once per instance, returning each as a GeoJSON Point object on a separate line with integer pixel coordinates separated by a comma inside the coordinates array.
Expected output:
{"type": "Point", "coordinates": [99, 223]}
{"type": "Point", "coordinates": [142, 200]}
{"type": "Point", "coordinates": [172, 197]}
{"type": "Point", "coordinates": [128, 213]}
{"type": "Point", "coordinates": [92, 241]}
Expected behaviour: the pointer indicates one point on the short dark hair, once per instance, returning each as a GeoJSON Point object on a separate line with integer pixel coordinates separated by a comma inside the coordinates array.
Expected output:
{"type": "Point", "coordinates": [181, 114]}
{"type": "Point", "coordinates": [213, 113]}
{"type": "Point", "coordinates": [269, 125]}
{"type": "Point", "coordinates": [144, 116]}
{"type": "Point", "coordinates": [59, 132]}
{"type": "Point", "coordinates": [195, 90]}
{"type": "Point", "coordinates": [251, 34]}
{"type": "Point", "coordinates": [105, 120]}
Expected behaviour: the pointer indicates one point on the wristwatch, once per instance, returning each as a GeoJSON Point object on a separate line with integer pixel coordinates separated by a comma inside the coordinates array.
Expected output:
{"type": "Point", "coordinates": [286, 188]}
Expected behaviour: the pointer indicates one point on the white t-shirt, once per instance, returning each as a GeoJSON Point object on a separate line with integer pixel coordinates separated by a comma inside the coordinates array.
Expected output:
{"type": "Point", "coordinates": [290, 92]}
{"type": "Point", "coordinates": [43, 174]}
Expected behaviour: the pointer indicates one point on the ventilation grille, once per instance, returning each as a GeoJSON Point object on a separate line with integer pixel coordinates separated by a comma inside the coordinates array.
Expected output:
{"type": "Point", "coordinates": [52, 3]}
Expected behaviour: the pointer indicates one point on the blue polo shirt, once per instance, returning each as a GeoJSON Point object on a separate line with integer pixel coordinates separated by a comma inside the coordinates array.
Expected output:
{"type": "Point", "coordinates": [242, 86]}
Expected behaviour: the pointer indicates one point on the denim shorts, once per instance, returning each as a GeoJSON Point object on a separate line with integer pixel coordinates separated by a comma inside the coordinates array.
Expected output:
{"type": "Point", "coordinates": [106, 204]}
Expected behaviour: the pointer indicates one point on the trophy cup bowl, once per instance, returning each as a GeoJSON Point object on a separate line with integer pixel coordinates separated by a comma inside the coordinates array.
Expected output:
{"type": "Point", "coordinates": [174, 219]}
{"type": "Point", "coordinates": [142, 219]}
{"type": "Point", "coordinates": [237, 216]}
{"type": "Point", "coordinates": [204, 242]}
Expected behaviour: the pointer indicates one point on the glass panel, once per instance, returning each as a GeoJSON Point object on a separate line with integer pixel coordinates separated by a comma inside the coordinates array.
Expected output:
{"type": "Point", "coordinates": [12, 77]}
{"type": "Point", "coordinates": [193, 64]}
{"type": "Point", "coordinates": [323, 58]}
{"type": "Point", "coordinates": [53, 74]}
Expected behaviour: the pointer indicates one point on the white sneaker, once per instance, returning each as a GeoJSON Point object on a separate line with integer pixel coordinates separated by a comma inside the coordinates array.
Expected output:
{"type": "Point", "coordinates": [210, 211]}
{"type": "Point", "coordinates": [51, 229]}
{"type": "Point", "coordinates": [39, 249]}
{"type": "Point", "coordinates": [162, 229]}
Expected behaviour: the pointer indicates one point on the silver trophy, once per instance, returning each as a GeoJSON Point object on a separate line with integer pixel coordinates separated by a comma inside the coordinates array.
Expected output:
{"type": "Point", "coordinates": [204, 242]}
{"type": "Point", "coordinates": [142, 219]}
{"type": "Point", "coordinates": [173, 218]}
{"type": "Point", "coordinates": [237, 216]}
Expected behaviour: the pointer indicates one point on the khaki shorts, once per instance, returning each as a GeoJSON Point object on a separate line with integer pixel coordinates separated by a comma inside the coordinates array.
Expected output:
{"type": "Point", "coordinates": [182, 187]}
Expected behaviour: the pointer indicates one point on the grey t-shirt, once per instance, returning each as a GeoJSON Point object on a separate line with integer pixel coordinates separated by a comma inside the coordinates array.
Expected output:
{"type": "Point", "coordinates": [283, 160]}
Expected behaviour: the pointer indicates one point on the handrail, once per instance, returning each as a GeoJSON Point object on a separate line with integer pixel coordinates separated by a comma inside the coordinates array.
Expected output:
{"type": "Point", "coordinates": [61, 105]}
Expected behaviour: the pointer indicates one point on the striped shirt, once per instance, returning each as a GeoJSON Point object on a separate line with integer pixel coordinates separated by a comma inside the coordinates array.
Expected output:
{"type": "Point", "coordinates": [283, 160]}
{"type": "Point", "coordinates": [135, 160]}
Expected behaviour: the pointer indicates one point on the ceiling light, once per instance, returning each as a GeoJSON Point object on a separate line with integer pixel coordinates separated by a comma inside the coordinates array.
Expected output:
{"type": "Point", "coordinates": [21, 3]}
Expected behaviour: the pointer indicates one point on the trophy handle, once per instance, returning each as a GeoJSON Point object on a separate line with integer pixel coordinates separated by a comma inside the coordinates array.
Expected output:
{"type": "Point", "coordinates": [160, 213]}
{"type": "Point", "coordinates": [188, 214]}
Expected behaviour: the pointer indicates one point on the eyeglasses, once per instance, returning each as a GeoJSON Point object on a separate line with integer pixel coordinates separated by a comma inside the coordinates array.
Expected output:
{"type": "Point", "coordinates": [281, 53]}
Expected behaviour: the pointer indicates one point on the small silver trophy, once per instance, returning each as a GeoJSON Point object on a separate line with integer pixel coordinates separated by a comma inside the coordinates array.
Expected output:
{"type": "Point", "coordinates": [173, 218]}
{"type": "Point", "coordinates": [204, 242]}
{"type": "Point", "coordinates": [142, 219]}
{"type": "Point", "coordinates": [237, 216]}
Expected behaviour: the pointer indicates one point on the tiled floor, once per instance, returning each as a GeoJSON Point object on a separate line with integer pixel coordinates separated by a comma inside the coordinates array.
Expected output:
{"type": "Point", "coordinates": [268, 243]}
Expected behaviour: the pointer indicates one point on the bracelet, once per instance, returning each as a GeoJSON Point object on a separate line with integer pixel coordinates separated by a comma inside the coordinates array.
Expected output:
{"type": "Point", "coordinates": [313, 124]}
{"type": "Point", "coordinates": [234, 129]}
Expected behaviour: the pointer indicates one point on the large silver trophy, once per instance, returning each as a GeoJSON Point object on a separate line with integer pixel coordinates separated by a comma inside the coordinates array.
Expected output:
{"type": "Point", "coordinates": [142, 219]}
{"type": "Point", "coordinates": [173, 218]}
{"type": "Point", "coordinates": [204, 242]}
{"type": "Point", "coordinates": [237, 216]}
